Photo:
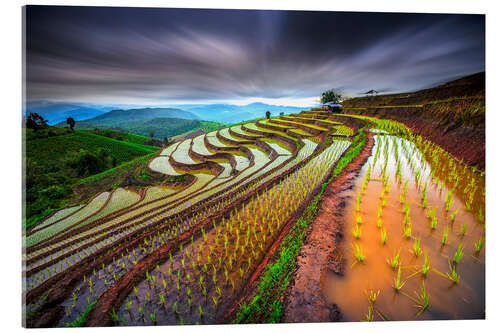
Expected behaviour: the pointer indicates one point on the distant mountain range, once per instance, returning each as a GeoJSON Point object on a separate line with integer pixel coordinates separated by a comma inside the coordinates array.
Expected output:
{"type": "Point", "coordinates": [230, 113]}
{"type": "Point", "coordinates": [56, 112]}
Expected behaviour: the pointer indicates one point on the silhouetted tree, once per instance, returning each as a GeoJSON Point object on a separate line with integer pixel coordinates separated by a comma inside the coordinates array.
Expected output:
{"type": "Point", "coordinates": [35, 121]}
{"type": "Point", "coordinates": [331, 96]}
{"type": "Point", "coordinates": [151, 133]}
{"type": "Point", "coordinates": [71, 122]}
{"type": "Point", "coordinates": [282, 113]}
{"type": "Point", "coordinates": [268, 114]}
{"type": "Point", "coordinates": [165, 141]}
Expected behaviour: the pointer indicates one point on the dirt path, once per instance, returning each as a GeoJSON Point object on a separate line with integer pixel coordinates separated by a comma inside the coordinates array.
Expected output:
{"type": "Point", "coordinates": [303, 299]}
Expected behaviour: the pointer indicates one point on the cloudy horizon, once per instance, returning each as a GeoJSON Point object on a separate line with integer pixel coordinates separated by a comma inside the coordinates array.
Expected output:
{"type": "Point", "coordinates": [160, 56]}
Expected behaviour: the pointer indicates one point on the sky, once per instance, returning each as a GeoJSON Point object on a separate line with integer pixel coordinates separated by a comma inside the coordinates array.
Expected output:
{"type": "Point", "coordinates": [161, 56]}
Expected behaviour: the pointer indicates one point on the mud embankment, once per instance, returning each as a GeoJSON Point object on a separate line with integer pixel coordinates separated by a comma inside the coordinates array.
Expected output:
{"type": "Point", "coordinates": [304, 300]}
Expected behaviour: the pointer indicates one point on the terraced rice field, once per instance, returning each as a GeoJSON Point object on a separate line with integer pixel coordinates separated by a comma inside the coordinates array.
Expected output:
{"type": "Point", "coordinates": [188, 254]}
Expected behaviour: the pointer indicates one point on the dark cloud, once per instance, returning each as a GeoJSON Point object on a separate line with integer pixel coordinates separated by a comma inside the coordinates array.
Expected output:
{"type": "Point", "coordinates": [151, 55]}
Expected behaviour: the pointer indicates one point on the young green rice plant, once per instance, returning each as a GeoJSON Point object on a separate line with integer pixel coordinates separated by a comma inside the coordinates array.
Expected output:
{"type": "Point", "coordinates": [454, 216]}
{"type": "Point", "coordinates": [416, 250]}
{"type": "Point", "coordinates": [372, 296]}
{"type": "Point", "coordinates": [407, 217]}
{"type": "Point", "coordinates": [426, 266]}
{"type": "Point", "coordinates": [424, 193]}
{"type": "Point", "coordinates": [356, 231]}
{"type": "Point", "coordinates": [452, 275]}
{"type": "Point", "coordinates": [407, 231]}
{"type": "Point", "coordinates": [402, 197]}
{"type": "Point", "coordinates": [431, 212]}
{"type": "Point", "coordinates": [152, 316]}
{"type": "Point", "coordinates": [379, 222]}
{"type": "Point", "coordinates": [433, 223]}
{"type": "Point", "coordinates": [394, 261]}
{"type": "Point", "coordinates": [463, 229]}
{"type": "Point", "coordinates": [449, 201]}
{"type": "Point", "coordinates": [422, 300]}
{"type": "Point", "coordinates": [359, 219]}
{"type": "Point", "coordinates": [141, 312]}
{"type": "Point", "coordinates": [445, 236]}
{"type": "Point", "coordinates": [358, 254]}
{"type": "Point", "coordinates": [370, 315]}
{"type": "Point", "coordinates": [478, 245]}
{"type": "Point", "coordinates": [458, 254]}
{"type": "Point", "coordinates": [398, 284]}
{"type": "Point", "coordinates": [383, 236]}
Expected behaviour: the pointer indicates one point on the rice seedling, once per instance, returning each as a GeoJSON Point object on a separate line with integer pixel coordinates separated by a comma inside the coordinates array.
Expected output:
{"type": "Point", "coordinates": [383, 236]}
{"type": "Point", "coordinates": [359, 219]}
{"type": "Point", "coordinates": [356, 231]}
{"type": "Point", "coordinates": [398, 284]}
{"type": "Point", "coordinates": [372, 295]}
{"type": "Point", "coordinates": [426, 266]}
{"type": "Point", "coordinates": [407, 217]}
{"type": "Point", "coordinates": [152, 316]}
{"type": "Point", "coordinates": [433, 223]}
{"type": "Point", "coordinates": [358, 254]}
{"type": "Point", "coordinates": [463, 229]}
{"type": "Point", "coordinates": [453, 276]}
{"type": "Point", "coordinates": [478, 245]}
{"type": "Point", "coordinates": [416, 250]}
{"type": "Point", "coordinates": [422, 300]}
{"type": "Point", "coordinates": [394, 261]}
{"type": "Point", "coordinates": [454, 216]}
{"type": "Point", "coordinates": [449, 201]}
{"type": "Point", "coordinates": [458, 254]}
{"type": "Point", "coordinates": [369, 316]}
{"type": "Point", "coordinates": [445, 236]}
{"type": "Point", "coordinates": [407, 231]}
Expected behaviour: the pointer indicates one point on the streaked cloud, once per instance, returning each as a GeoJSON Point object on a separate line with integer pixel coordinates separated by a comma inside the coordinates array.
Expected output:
{"type": "Point", "coordinates": [160, 56]}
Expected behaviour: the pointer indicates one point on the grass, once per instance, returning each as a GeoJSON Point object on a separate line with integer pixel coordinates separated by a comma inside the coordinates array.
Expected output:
{"type": "Point", "coordinates": [54, 167]}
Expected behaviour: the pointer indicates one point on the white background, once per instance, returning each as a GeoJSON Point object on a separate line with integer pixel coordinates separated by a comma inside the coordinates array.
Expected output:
{"type": "Point", "coordinates": [10, 171]}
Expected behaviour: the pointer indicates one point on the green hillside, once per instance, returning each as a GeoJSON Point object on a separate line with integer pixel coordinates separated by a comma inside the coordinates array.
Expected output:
{"type": "Point", "coordinates": [162, 127]}
{"type": "Point", "coordinates": [54, 164]}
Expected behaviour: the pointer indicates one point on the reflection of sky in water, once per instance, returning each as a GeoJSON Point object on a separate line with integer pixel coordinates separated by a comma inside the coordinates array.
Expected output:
{"type": "Point", "coordinates": [447, 301]}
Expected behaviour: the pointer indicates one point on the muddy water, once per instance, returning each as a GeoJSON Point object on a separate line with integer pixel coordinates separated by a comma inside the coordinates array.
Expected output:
{"type": "Point", "coordinates": [464, 300]}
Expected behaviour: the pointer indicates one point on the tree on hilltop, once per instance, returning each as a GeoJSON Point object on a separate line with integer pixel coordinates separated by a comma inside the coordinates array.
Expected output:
{"type": "Point", "coordinates": [268, 114]}
{"type": "Point", "coordinates": [71, 122]}
{"type": "Point", "coordinates": [331, 95]}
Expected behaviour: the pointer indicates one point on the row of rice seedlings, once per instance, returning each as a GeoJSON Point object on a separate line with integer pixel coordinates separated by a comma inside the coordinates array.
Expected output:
{"type": "Point", "coordinates": [245, 236]}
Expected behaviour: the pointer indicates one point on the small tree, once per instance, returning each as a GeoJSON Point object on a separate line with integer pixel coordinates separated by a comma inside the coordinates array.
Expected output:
{"type": "Point", "coordinates": [35, 121]}
{"type": "Point", "coordinates": [268, 114]}
{"type": "Point", "coordinates": [331, 96]}
{"type": "Point", "coordinates": [282, 113]}
{"type": "Point", "coordinates": [165, 141]}
{"type": "Point", "coordinates": [71, 122]}
{"type": "Point", "coordinates": [152, 133]}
